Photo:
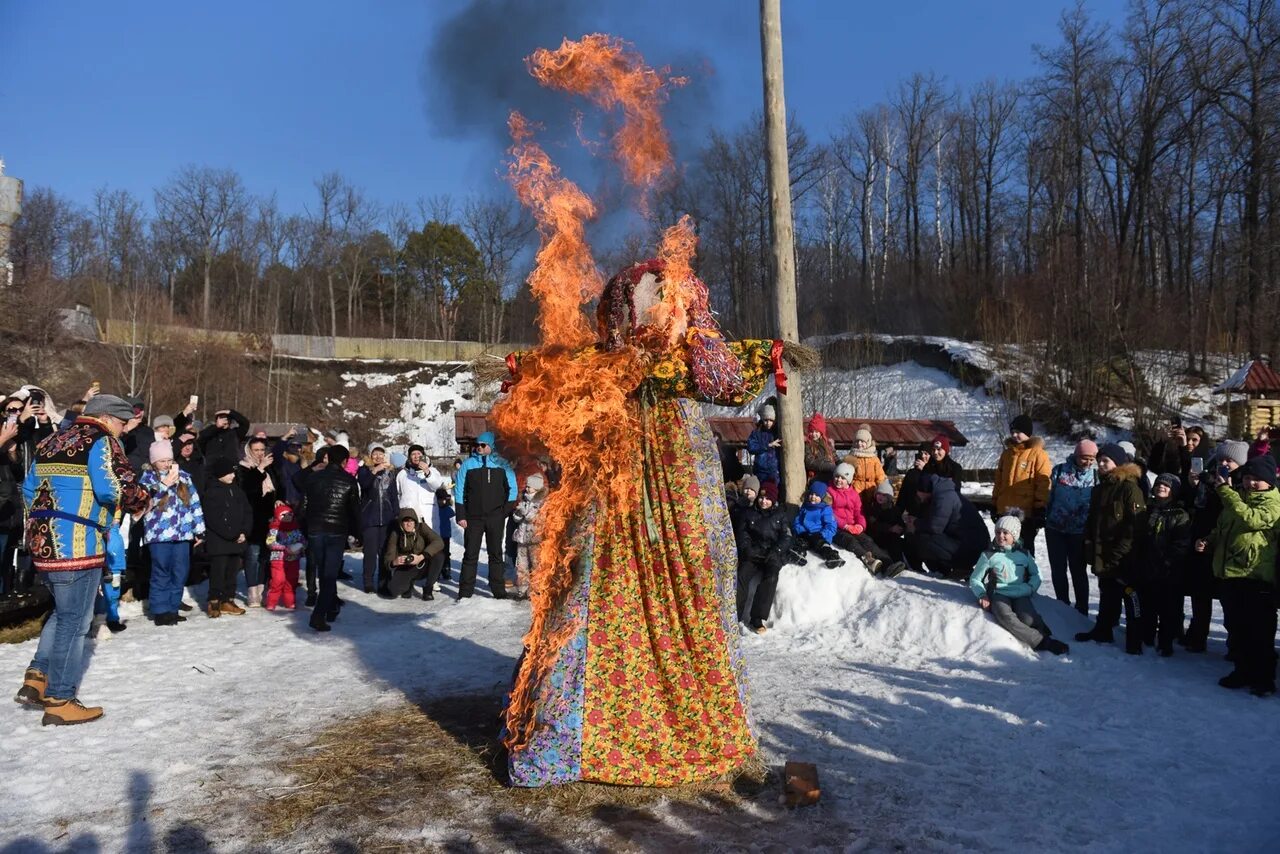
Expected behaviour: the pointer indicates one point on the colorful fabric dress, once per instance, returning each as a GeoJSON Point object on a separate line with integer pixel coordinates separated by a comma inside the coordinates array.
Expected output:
{"type": "Point", "coordinates": [650, 690]}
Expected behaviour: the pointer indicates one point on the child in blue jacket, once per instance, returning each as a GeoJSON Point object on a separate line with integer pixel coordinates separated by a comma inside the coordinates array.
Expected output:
{"type": "Point", "coordinates": [763, 444]}
{"type": "Point", "coordinates": [815, 525]}
{"type": "Point", "coordinates": [1004, 580]}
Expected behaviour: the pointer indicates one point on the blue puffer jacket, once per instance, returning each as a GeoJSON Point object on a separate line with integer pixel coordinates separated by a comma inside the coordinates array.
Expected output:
{"type": "Point", "coordinates": [1069, 489]}
{"type": "Point", "coordinates": [766, 458]}
{"type": "Point", "coordinates": [950, 513]}
{"type": "Point", "coordinates": [815, 518]}
{"type": "Point", "coordinates": [1008, 572]}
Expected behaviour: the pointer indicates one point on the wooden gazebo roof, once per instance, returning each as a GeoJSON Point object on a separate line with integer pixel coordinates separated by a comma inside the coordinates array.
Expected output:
{"type": "Point", "coordinates": [1253, 377]}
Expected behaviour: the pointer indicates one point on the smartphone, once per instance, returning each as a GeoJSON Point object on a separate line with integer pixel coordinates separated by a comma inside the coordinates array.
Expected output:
{"type": "Point", "coordinates": [1197, 465]}
{"type": "Point", "coordinates": [37, 398]}
{"type": "Point", "coordinates": [1224, 471]}
{"type": "Point", "coordinates": [11, 420]}
{"type": "Point", "coordinates": [194, 400]}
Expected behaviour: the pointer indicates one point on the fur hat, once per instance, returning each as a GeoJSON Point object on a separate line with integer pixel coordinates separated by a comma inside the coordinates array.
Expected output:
{"type": "Point", "coordinates": [536, 482]}
{"type": "Point", "coordinates": [109, 404]}
{"type": "Point", "coordinates": [1011, 522]}
{"type": "Point", "coordinates": [1170, 480]}
{"type": "Point", "coordinates": [1114, 452]}
{"type": "Point", "coordinates": [768, 413]}
{"type": "Point", "coordinates": [752, 483]}
{"type": "Point", "coordinates": [1022, 424]}
{"type": "Point", "coordinates": [942, 441]}
{"type": "Point", "coordinates": [220, 467]}
{"type": "Point", "coordinates": [1261, 468]}
{"type": "Point", "coordinates": [845, 471]}
{"type": "Point", "coordinates": [769, 490]}
{"type": "Point", "coordinates": [818, 488]}
{"type": "Point", "coordinates": [161, 449]}
{"type": "Point", "coordinates": [1236, 452]}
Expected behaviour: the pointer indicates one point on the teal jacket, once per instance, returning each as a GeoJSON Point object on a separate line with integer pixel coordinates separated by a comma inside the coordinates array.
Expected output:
{"type": "Point", "coordinates": [1012, 574]}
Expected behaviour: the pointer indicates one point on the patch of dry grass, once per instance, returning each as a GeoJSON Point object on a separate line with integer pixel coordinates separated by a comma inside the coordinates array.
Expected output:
{"type": "Point", "coordinates": [403, 766]}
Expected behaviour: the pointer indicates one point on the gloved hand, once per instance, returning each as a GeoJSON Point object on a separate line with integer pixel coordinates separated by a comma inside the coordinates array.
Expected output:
{"type": "Point", "coordinates": [115, 580]}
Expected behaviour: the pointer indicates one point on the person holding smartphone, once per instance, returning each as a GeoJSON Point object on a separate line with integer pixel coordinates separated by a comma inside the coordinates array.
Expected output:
{"type": "Point", "coordinates": [1205, 507]}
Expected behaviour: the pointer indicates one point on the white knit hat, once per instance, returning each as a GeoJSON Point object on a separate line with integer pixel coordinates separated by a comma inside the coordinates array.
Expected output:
{"type": "Point", "coordinates": [1011, 523]}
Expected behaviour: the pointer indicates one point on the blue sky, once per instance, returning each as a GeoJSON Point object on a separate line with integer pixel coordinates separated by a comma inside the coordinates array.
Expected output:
{"type": "Point", "coordinates": [123, 94]}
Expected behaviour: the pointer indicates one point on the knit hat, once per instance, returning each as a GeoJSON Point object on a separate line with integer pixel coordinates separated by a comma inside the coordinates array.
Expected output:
{"type": "Point", "coordinates": [418, 448]}
{"type": "Point", "coordinates": [769, 490]}
{"type": "Point", "coordinates": [1170, 480]}
{"type": "Point", "coordinates": [1236, 452]}
{"type": "Point", "coordinates": [375, 446]}
{"type": "Point", "coordinates": [1086, 448]}
{"type": "Point", "coordinates": [161, 449]}
{"type": "Point", "coordinates": [768, 413]}
{"type": "Point", "coordinates": [1011, 522]}
{"type": "Point", "coordinates": [752, 483]}
{"type": "Point", "coordinates": [817, 424]}
{"type": "Point", "coordinates": [885, 487]}
{"type": "Point", "coordinates": [943, 442]}
{"type": "Point", "coordinates": [1022, 424]}
{"type": "Point", "coordinates": [845, 471]}
{"type": "Point", "coordinates": [220, 467]}
{"type": "Point", "coordinates": [818, 488]}
{"type": "Point", "coordinates": [863, 434]}
{"type": "Point", "coordinates": [486, 438]}
{"type": "Point", "coordinates": [1129, 448]}
{"type": "Point", "coordinates": [109, 404]}
{"type": "Point", "coordinates": [535, 482]}
{"type": "Point", "coordinates": [398, 459]}
{"type": "Point", "coordinates": [1261, 468]}
{"type": "Point", "coordinates": [162, 421]}
{"type": "Point", "coordinates": [1115, 453]}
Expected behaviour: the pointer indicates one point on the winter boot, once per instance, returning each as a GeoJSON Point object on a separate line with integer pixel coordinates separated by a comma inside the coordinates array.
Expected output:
{"type": "Point", "coordinates": [833, 563]}
{"type": "Point", "coordinates": [184, 606]}
{"type": "Point", "coordinates": [68, 712]}
{"type": "Point", "coordinates": [1097, 634]}
{"type": "Point", "coordinates": [1234, 679]}
{"type": "Point", "coordinates": [215, 608]}
{"type": "Point", "coordinates": [116, 626]}
{"type": "Point", "coordinates": [1263, 689]}
{"type": "Point", "coordinates": [894, 569]}
{"type": "Point", "coordinates": [1053, 645]}
{"type": "Point", "coordinates": [230, 607]}
{"type": "Point", "coordinates": [33, 687]}
{"type": "Point", "coordinates": [254, 596]}
{"type": "Point", "coordinates": [311, 600]}
{"type": "Point", "coordinates": [872, 564]}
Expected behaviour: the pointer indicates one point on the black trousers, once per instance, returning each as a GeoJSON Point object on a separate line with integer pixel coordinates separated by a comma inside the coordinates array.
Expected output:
{"type": "Point", "coordinates": [1249, 610]}
{"type": "Point", "coordinates": [1200, 587]}
{"type": "Point", "coordinates": [816, 544]}
{"type": "Point", "coordinates": [491, 529]}
{"type": "Point", "coordinates": [431, 571]}
{"type": "Point", "coordinates": [1111, 594]}
{"type": "Point", "coordinates": [862, 546]}
{"type": "Point", "coordinates": [223, 570]}
{"type": "Point", "coordinates": [1162, 623]}
{"type": "Point", "coordinates": [762, 602]}
{"type": "Point", "coordinates": [941, 553]}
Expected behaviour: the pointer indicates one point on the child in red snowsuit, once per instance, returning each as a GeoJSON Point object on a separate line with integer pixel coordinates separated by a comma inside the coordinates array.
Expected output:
{"type": "Point", "coordinates": [287, 544]}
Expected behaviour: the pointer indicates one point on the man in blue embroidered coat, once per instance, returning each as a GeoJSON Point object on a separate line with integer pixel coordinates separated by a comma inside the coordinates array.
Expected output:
{"type": "Point", "coordinates": [79, 479]}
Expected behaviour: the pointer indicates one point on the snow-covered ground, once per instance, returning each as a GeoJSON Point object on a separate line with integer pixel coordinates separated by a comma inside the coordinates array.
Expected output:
{"type": "Point", "coordinates": [931, 728]}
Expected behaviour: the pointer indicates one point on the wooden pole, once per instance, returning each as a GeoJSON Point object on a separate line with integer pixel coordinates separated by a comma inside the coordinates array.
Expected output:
{"type": "Point", "coordinates": [784, 256]}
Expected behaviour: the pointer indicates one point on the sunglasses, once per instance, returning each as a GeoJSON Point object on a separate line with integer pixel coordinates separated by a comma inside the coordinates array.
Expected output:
{"type": "Point", "coordinates": [17, 411]}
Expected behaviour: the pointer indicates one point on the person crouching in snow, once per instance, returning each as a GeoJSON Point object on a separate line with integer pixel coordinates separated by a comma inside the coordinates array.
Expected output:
{"type": "Point", "coordinates": [1004, 580]}
{"type": "Point", "coordinates": [815, 525]}
{"type": "Point", "coordinates": [1168, 542]}
{"type": "Point", "coordinates": [851, 525]}
{"type": "Point", "coordinates": [1113, 535]}
{"type": "Point", "coordinates": [413, 551]}
{"type": "Point", "coordinates": [764, 539]}
{"type": "Point", "coordinates": [287, 543]}
{"type": "Point", "coordinates": [526, 531]}
{"type": "Point", "coordinates": [1244, 562]}
{"type": "Point", "coordinates": [763, 444]}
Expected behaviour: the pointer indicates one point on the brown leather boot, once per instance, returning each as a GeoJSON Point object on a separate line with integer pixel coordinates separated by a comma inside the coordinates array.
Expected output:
{"type": "Point", "coordinates": [215, 608]}
{"type": "Point", "coordinates": [230, 607]}
{"type": "Point", "coordinates": [33, 687]}
{"type": "Point", "coordinates": [69, 712]}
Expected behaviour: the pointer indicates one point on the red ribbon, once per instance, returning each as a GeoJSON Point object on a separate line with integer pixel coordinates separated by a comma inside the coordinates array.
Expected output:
{"type": "Point", "coordinates": [513, 366]}
{"type": "Point", "coordinates": [779, 375]}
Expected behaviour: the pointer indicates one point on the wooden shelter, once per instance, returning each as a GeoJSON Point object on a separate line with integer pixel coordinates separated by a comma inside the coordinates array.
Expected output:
{"type": "Point", "coordinates": [1253, 398]}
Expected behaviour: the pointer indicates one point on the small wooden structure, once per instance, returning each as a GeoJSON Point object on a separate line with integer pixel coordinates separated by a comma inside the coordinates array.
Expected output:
{"type": "Point", "coordinates": [1253, 398]}
{"type": "Point", "coordinates": [733, 432]}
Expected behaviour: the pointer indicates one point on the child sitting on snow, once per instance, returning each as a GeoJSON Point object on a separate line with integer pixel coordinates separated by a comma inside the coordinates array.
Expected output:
{"type": "Point", "coordinates": [1004, 581]}
{"type": "Point", "coordinates": [526, 533]}
{"type": "Point", "coordinates": [815, 526]}
{"type": "Point", "coordinates": [286, 544]}
{"type": "Point", "coordinates": [851, 525]}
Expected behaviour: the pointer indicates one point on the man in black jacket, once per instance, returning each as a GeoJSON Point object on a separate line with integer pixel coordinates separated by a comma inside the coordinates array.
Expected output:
{"type": "Point", "coordinates": [331, 512]}
{"type": "Point", "coordinates": [484, 496]}
{"type": "Point", "coordinates": [764, 537]}
{"type": "Point", "coordinates": [223, 439]}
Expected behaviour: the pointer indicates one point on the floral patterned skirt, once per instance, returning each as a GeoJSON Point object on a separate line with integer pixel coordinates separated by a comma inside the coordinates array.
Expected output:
{"type": "Point", "coordinates": [650, 690]}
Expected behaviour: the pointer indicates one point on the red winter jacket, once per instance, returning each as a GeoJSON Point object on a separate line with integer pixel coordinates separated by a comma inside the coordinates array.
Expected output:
{"type": "Point", "coordinates": [847, 506]}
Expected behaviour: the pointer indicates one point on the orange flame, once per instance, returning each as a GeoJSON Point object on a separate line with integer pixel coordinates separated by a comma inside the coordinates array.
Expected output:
{"type": "Point", "coordinates": [573, 401]}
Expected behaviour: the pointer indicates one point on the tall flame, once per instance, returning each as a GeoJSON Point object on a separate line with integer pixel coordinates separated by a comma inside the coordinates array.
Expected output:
{"type": "Point", "coordinates": [573, 399]}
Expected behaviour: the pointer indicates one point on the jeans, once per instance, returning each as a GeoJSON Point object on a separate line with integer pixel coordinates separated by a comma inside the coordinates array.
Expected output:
{"type": "Point", "coordinates": [374, 537]}
{"type": "Point", "coordinates": [170, 563]}
{"type": "Point", "coordinates": [324, 552]}
{"type": "Point", "coordinates": [1066, 552]}
{"type": "Point", "coordinates": [62, 641]}
{"type": "Point", "coordinates": [257, 559]}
